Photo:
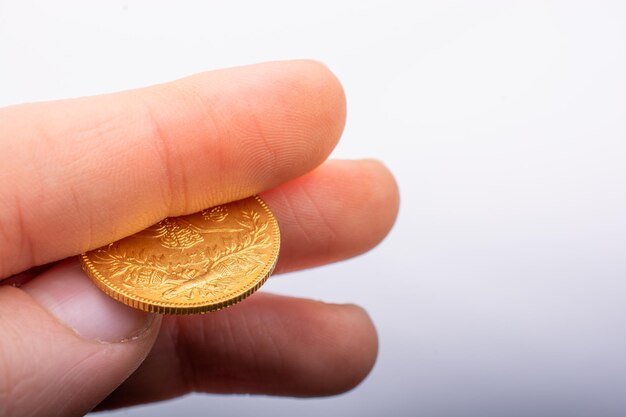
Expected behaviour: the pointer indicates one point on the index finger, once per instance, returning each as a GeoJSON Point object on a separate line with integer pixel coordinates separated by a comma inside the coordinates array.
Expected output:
{"type": "Point", "coordinates": [77, 174]}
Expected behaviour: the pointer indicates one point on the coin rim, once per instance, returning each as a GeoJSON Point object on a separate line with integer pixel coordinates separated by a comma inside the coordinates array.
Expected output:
{"type": "Point", "coordinates": [160, 307]}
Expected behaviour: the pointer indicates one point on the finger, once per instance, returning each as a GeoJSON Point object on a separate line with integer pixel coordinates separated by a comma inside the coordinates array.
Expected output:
{"type": "Point", "coordinates": [266, 345]}
{"type": "Point", "coordinates": [84, 172]}
{"type": "Point", "coordinates": [64, 345]}
{"type": "Point", "coordinates": [340, 210]}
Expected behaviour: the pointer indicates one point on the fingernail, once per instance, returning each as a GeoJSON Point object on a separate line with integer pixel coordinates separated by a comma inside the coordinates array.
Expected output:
{"type": "Point", "coordinates": [68, 294]}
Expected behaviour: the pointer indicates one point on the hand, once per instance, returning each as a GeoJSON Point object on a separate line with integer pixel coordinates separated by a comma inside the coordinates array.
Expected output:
{"type": "Point", "coordinates": [78, 174]}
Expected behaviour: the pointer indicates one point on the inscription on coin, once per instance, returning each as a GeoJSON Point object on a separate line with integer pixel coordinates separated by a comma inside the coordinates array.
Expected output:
{"type": "Point", "coordinates": [190, 264]}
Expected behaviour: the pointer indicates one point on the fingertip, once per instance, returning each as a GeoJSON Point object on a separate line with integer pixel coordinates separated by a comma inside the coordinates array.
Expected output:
{"type": "Point", "coordinates": [320, 349]}
{"type": "Point", "coordinates": [321, 107]}
{"type": "Point", "coordinates": [330, 91]}
{"type": "Point", "coordinates": [342, 209]}
{"type": "Point", "coordinates": [366, 187]}
{"type": "Point", "coordinates": [284, 119]}
{"type": "Point", "coordinates": [355, 350]}
{"type": "Point", "coordinates": [383, 196]}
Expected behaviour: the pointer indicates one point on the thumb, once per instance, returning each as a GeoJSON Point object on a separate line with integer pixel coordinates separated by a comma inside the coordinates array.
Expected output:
{"type": "Point", "coordinates": [64, 345]}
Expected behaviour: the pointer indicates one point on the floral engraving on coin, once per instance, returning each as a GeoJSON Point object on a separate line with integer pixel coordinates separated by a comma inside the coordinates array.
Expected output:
{"type": "Point", "coordinates": [176, 233]}
{"type": "Point", "coordinates": [197, 260]}
{"type": "Point", "coordinates": [216, 214]}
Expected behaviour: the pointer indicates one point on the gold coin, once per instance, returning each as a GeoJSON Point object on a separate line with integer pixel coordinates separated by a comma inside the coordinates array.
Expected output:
{"type": "Point", "coordinates": [190, 264]}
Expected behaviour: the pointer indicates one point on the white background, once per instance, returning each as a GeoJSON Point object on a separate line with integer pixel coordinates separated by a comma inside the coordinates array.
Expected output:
{"type": "Point", "coordinates": [500, 291]}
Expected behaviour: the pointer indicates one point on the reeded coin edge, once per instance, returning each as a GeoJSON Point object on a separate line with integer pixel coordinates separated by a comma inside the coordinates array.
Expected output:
{"type": "Point", "coordinates": [160, 307]}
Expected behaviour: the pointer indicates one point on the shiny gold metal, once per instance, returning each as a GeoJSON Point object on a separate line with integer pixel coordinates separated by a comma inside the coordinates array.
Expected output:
{"type": "Point", "coordinates": [190, 264]}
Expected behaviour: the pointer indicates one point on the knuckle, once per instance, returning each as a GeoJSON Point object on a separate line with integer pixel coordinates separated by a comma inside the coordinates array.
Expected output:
{"type": "Point", "coordinates": [160, 141]}
{"type": "Point", "coordinates": [178, 149]}
{"type": "Point", "coordinates": [16, 245]}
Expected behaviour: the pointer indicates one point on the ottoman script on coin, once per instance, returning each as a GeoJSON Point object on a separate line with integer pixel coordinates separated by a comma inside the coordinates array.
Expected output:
{"type": "Point", "coordinates": [190, 264]}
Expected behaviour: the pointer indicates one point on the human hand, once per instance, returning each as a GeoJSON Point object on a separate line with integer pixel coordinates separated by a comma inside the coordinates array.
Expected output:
{"type": "Point", "coordinates": [78, 174]}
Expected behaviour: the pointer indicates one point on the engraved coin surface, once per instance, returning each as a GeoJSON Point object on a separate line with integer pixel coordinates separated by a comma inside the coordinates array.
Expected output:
{"type": "Point", "coordinates": [190, 264]}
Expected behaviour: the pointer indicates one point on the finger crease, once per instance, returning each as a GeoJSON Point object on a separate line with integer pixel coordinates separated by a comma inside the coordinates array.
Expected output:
{"type": "Point", "coordinates": [320, 215]}
{"type": "Point", "coordinates": [161, 147]}
{"type": "Point", "coordinates": [26, 242]}
{"type": "Point", "coordinates": [298, 222]}
{"type": "Point", "coordinates": [4, 249]}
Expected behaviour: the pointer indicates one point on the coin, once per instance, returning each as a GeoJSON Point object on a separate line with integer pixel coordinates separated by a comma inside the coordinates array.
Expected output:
{"type": "Point", "coordinates": [190, 264]}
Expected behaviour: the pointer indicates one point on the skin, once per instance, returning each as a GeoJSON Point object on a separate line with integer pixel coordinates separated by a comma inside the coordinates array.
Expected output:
{"type": "Point", "coordinates": [78, 174]}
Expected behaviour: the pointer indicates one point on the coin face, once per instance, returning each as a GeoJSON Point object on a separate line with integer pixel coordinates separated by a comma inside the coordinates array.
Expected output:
{"type": "Point", "coordinates": [190, 264]}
